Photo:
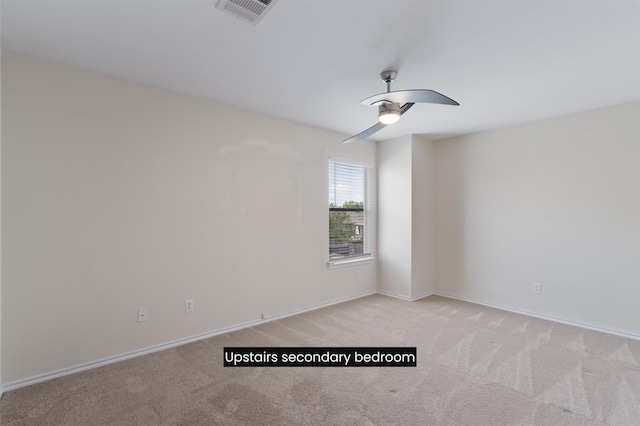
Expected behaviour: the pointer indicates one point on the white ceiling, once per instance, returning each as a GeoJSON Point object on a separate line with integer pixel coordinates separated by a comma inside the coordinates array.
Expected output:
{"type": "Point", "coordinates": [313, 61]}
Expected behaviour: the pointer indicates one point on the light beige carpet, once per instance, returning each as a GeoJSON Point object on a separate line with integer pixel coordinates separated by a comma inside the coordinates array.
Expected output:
{"type": "Point", "coordinates": [476, 366]}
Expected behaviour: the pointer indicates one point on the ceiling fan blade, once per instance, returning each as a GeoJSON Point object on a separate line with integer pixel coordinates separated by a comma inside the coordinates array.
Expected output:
{"type": "Point", "coordinates": [410, 96]}
{"type": "Point", "coordinates": [376, 127]}
{"type": "Point", "coordinates": [363, 135]}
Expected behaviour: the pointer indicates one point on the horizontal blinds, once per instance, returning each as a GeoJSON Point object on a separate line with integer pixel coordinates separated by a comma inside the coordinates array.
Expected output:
{"type": "Point", "coordinates": [346, 185]}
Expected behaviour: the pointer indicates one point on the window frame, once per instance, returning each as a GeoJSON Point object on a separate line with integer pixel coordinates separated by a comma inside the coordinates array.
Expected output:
{"type": "Point", "coordinates": [368, 214]}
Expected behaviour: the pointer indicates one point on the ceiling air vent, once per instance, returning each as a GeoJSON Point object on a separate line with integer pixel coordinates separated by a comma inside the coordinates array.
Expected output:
{"type": "Point", "coordinates": [251, 11]}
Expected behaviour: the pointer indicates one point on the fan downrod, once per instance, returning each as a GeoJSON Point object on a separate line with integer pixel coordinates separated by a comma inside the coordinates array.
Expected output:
{"type": "Point", "coordinates": [388, 76]}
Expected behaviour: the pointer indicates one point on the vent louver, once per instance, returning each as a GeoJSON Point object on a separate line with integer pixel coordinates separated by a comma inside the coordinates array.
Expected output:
{"type": "Point", "coordinates": [251, 11]}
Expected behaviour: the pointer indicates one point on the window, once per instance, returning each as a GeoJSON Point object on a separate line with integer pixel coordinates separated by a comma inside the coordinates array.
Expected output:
{"type": "Point", "coordinates": [350, 230]}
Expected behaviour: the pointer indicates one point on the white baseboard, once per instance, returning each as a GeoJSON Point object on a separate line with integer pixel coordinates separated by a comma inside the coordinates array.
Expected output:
{"type": "Point", "coordinates": [402, 297]}
{"type": "Point", "coordinates": [394, 295]}
{"type": "Point", "coordinates": [422, 296]}
{"type": "Point", "coordinates": [541, 316]}
{"type": "Point", "coordinates": [149, 350]}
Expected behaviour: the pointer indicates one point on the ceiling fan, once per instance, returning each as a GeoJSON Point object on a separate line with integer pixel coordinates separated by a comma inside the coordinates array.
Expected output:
{"type": "Point", "coordinates": [391, 105]}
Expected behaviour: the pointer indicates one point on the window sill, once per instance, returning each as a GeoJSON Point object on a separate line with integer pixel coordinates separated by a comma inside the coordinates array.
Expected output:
{"type": "Point", "coordinates": [334, 264]}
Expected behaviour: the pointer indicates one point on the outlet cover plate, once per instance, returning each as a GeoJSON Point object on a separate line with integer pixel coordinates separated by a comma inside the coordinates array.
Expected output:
{"type": "Point", "coordinates": [143, 314]}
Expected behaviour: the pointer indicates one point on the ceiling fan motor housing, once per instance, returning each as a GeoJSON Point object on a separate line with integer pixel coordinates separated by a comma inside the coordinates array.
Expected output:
{"type": "Point", "coordinates": [389, 113]}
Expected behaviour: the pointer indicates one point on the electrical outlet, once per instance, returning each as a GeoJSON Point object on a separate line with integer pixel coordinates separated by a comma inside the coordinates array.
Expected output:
{"type": "Point", "coordinates": [188, 305]}
{"type": "Point", "coordinates": [357, 274]}
{"type": "Point", "coordinates": [537, 288]}
{"type": "Point", "coordinates": [143, 314]}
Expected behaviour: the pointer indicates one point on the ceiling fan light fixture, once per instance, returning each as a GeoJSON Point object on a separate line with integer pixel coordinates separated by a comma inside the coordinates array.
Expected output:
{"type": "Point", "coordinates": [389, 113]}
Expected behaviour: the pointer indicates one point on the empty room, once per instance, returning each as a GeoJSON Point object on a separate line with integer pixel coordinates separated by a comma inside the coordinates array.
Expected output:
{"type": "Point", "coordinates": [303, 212]}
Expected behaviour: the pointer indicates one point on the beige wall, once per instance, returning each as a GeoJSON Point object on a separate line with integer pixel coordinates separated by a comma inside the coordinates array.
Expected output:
{"type": "Point", "coordinates": [422, 217]}
{"type": "Point", "coordinates": [406, 217]}
{"type": "Point", "coordinates": [394, 217]}
{"type": "Point", "coordinates": [117, 195]}
{"type": "Point", "coordinates": [0, 224]}
{"type": "Point", "coordinates": [555, 202]}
